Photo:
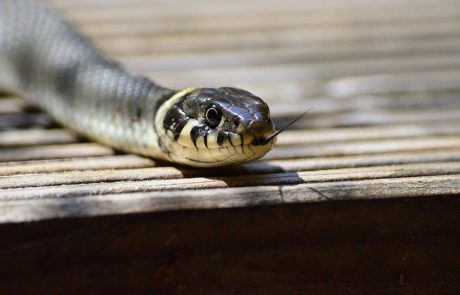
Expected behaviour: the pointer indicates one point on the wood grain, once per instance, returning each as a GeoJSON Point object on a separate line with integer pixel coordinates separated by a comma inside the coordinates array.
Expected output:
{"type": "Point", "coordinates": [383, 82]}
{"type": "Point", "coordinates": [359, 197]}
{"type": "Point", "coordinates": [51, 206]}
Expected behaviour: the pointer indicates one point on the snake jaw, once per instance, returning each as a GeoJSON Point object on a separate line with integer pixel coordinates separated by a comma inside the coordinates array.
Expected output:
{"type": "Point", "coordinates": [260, 130]}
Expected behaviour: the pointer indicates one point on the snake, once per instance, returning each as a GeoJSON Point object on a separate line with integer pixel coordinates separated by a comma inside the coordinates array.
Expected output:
{"type": "Point", "coordinates": [45, 60]}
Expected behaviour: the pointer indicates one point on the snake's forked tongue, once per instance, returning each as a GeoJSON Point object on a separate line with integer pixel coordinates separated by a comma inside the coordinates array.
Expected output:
{"type": "Point", "coordinates": [277, 132]}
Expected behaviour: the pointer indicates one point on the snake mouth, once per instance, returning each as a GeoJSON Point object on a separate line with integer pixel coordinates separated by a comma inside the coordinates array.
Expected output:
{"type": "Point", "coordinates": [229, 155]}
{"type": "Point", "coordinates": [272, 136]}
{"type": "Point", "coordinates": [263, 140]}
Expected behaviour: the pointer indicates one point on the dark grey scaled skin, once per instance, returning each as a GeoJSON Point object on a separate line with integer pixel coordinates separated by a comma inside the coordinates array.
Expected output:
{"type": "Point", "coordinates": [43, 59]}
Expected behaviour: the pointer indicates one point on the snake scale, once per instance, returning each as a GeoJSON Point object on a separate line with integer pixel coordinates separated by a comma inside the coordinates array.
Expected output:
{"type": "Point", "coordinates": [45, 60]}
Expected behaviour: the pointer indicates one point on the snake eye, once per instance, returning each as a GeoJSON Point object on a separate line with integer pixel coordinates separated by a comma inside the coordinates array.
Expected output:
{"type": "Point", "coordinates": [213, 117]}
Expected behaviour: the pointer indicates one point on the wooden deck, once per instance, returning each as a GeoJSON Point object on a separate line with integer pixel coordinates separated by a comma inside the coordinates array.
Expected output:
{"type": "Point", "coordinates": [360, 195]}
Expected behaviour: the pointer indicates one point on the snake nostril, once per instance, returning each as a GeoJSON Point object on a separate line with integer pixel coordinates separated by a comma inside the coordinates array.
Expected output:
{"type": "Point", "coordinates": [260, 129]}
{"type": "Point", "coordinates": [236, 122]}
{"type": "Point", "coordinates": [261, 116]}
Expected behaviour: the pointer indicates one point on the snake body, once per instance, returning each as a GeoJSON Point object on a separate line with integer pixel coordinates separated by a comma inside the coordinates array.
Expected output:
{"type": "Point", "coordinates": [45, 60]}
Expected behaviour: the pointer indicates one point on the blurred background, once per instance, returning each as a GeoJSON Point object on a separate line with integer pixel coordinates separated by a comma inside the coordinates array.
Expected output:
{"type": "Point", "coordinates": [355, 62]}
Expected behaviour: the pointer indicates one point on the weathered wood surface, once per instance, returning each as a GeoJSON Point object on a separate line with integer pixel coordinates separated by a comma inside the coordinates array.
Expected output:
{"type": "Point", "coordinates": [359, 197]}
{"type": "Point", "coordinates": [383, 81]}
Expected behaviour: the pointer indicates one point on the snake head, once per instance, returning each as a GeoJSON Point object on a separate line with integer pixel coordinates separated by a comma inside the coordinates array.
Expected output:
{"type": "Point", "coordinates": [210, 127]}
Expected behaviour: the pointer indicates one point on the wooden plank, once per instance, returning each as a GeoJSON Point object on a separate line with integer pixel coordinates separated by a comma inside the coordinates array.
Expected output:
{"type": "Point", "coordinates": [104, 182]}
{"type": "Point", "coordinates": [74, 164]}
{"type": "Point", "coordinates": [310, 71]}
{"type": "Point", "coordinates": [10, 105]}
{"type": "Point", "coordinates": [317, 53]}
{"type": "Point", "coordinates": [429, 82]}
{"type": "Point", "coordinates": [371, 160]}
{"type": "Point", "coordinates": [201, 42]}
{"type": "Point", "coordinates": [22, 210]}
{"type": "Point", "coordinates": [171, 178]}
{"type": "Point", "coordinates": [36, 137]}
{"type": "Point", "coordinates": [273, 166]}
{"type": "Point", "coordinates": [54, 151]}
{"type": "Point", "coordinates": [365, 147]}
{"type": "Point", "coordinates": [208, 24]}
{"type": "Point", "coordinates": [312, 136]}
{"type": "Point", "coordinates": [370, 117]}
{"type": "Point", "coordinates": [327, 92]}
{"type": "Point", "coordinates": [261, 20]}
